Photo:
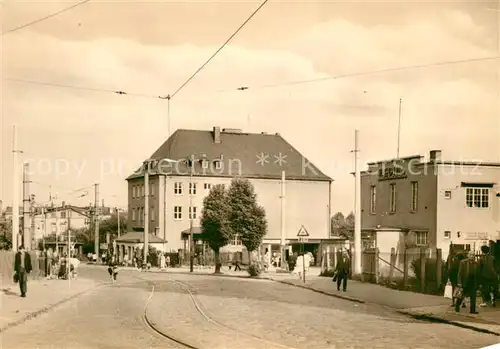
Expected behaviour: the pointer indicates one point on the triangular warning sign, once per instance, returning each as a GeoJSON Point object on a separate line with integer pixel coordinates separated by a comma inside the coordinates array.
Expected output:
{"type": "Point", "coordinates": [302, 232]}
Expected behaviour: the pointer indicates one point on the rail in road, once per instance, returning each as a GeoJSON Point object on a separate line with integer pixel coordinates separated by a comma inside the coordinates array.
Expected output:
{"type": "Point", "coordinates": [185, 286]}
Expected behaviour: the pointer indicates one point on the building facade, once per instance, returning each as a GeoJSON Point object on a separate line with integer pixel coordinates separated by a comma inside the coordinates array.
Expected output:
{"type": "Point", "coordinates": [410, 203]}
{"type": "Point", "coordinates": [176, 196]}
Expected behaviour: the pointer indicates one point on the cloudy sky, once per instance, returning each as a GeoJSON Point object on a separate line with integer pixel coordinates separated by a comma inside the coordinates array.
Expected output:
{"type": "Point", "coordinates": [150, 48]}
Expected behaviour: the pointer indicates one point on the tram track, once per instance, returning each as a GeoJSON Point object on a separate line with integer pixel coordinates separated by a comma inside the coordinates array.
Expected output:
{"type": "Point", "coordinates": [198, 305]}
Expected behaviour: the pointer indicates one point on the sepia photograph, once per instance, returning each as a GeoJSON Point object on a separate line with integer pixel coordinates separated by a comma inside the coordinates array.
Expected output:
{"type": "Point", "coordinates": [247, 174]}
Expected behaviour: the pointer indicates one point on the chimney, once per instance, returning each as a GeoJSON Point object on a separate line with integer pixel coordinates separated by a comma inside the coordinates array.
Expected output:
{"type": "Point", "coordinates": [216, 134]}
{"type": "Point", "coordinates": [64, 204]}
{"type": "Point", "coordinates": [435, 155]}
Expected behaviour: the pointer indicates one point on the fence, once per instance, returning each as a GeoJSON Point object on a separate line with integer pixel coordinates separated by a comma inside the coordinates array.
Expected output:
{"type": "Point", "coordinates": [417, 269]}
{"type": "Point", "coordinates": [7, 266]}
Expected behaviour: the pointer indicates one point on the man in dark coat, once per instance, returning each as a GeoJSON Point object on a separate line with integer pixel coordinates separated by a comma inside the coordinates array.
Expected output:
{"type": "Point", "coordinates": [468, 277]}
{"type": "Point", "coordinates": [488, 277]}
{"type": "Point", "coordinates": [342, 271]}
{"type": "Point", "coordinates": [453, 267]}
{"type": "Point", "coordinates": [22, 267]}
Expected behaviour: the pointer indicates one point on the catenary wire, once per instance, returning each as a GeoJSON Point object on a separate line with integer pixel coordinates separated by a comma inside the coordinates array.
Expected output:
{"type": "Point", "coordinates": [290, 83]}
{"type": "Point", "coordinates": [22, 26]}
{"type": "Point", "coordinates": [365, 73]}
{"type": "Point", "coordinates": [81, 88]}
{"type": "Point", "coordinates": [219, 49]}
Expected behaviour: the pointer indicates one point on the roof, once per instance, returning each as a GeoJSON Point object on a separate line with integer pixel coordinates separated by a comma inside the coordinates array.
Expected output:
{"type": "Point", "coordinates": [138, 237]}
{"type": "Point", "coordinates": [239, 152]}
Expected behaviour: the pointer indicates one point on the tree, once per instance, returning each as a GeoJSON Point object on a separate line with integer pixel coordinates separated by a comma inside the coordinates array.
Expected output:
{"type": "Point", "coordinates": [247, 218]}
{"type": "Point", "coordinates": [215, 227]}
{"type": "Point", "coordinates": [349, 221]}
{"type": "Point", "coordinates": [338, 223]}
{"type": "Point", "coordinates": [110, 225]}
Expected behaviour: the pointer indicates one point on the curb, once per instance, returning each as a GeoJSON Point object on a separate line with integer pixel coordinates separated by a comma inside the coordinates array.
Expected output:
{"type": "Point", "coordinates": [433, 318]}
{"type": "Point", "coordinates": [347, 298]}
{"type": "Point", "coordinates": [45, 309]}
{"type": "Point", "coordinates": [211, 274]}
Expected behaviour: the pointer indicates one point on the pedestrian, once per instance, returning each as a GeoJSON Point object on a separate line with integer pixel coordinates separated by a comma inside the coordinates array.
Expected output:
{"type": "Point", "coordinates": [22, 267]}
{"type": "Point", "coordinates": [488, 277]}
{"type": "Point", "coordinates": [342, 271]}
{"type": "Point", "coordinates": [453, 274]}
{"type": "Point", "coordinates": [112, 269]}
{"type": "Point", "coordinates": [162, 261]}
{"type": "Point", "coordinates": [467, 282]}
{"type": "Point", "coordinates": [167, 261]}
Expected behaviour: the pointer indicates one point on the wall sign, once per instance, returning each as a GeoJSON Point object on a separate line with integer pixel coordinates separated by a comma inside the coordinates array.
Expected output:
{"type": "Point", "coordinates": [391, 173]}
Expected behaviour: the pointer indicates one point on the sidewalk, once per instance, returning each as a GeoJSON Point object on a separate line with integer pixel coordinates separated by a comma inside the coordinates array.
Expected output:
{"type": "Point", "coordinates": [417, 305]}
{"type": "Point", "coordinates": [42, 296]}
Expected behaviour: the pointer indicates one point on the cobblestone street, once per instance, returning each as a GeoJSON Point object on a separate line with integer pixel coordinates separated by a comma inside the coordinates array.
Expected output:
{"type": "Point", "coordinates": [233, 313]}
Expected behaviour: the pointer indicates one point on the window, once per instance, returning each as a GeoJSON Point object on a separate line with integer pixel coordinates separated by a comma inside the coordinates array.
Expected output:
{"type": "Point", "coordinates": [373, 198]}
{"type": "Point", "coordinates": [141, 216]}
{"type": "Point", "coordinates": [152, 189]}
{"type": "Point", "coordinates": [421, 238]}
{"type": "Point", "coordinates": [392, 201]}
{"type": "Point", "coordinates": [193, 215]}
{"type": "Point", "coordinates": [63, 214]}
{"type": "Point", "coordinates": [477, 197]}
{"type": "Point", "coordinates": [236, 241]}
{"type": "Point", "coordinates": [152, 213]}
{"type": "Point", "coordinates": [207, 186]}
{"type": "Point", "coordinates": [414, 196]}
{"type": "Point", "coordinates": [133, 192]}
{"type": "Point", "coordinates": [192, 188]}
{"type": "Point", "coordinates": [133, 214]}
{"type": "Point", "coordinates": [204, 164]}
{"type": "Point", "coordinates": [447, 234]}
{"type": "Point", "coordinates": [218, 164]}
{"type": "Point", "coordinates": [447, 194]}
{"type": "Point", "coordinates": [178, 212]}
{"type": "Point", "coordinates": [177, 188]}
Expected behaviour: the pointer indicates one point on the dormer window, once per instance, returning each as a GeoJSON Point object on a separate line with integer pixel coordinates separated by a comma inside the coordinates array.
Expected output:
{"type": "Point", "coordinates": [204, 163]}
{"type": "Point", "coordinates": [218, 164]}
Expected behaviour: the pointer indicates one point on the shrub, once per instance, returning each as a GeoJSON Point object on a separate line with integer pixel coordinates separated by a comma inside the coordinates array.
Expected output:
{"type": "Point", "coordinates": [254, 270]}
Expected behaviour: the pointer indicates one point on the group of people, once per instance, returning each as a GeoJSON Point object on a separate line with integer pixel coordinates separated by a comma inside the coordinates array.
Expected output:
{"type": "Point", "coordinates": [467, 275]}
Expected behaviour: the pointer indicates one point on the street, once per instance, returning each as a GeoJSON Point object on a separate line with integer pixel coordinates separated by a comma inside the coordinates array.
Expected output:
{"type": "Point", "coordinates": [211, 312]}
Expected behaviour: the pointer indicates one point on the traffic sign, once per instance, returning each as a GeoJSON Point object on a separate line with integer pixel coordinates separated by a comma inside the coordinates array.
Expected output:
{"type": "Point", "coordinates": [302, 232]}
{"type": "Point", "coordinates": [303, 239]}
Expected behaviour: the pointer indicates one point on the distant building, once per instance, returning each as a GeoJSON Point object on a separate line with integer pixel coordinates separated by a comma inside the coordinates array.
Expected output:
{"type": "Point", "coordinates": [54, 220]}
{"type": "Point", "coordinates": [412, 203]}
{"type": "Point", "coordinates": [219, 156]}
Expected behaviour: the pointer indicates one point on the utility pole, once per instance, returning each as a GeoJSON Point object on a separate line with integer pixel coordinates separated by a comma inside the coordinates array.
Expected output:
{"type": "Point", "coordinates": [357, 207]}
{"type": "Point", "coordinates": [57, 229]}
{"type": "Point", "coordinates": [15, 191]}
{"type": "Point", "coordinates": [44, 214]}
{"type": "Point", "coordinates": [118, 218]}
{"type": "Point", "coordinates": [96, 221]}
{"type": "Point", "coordinates": [26, 208]}
{"type": "Point", "coordinates": [282, 198]}
{"type": "Point", "coordinates": [191, 247]}
{"type": "Point", "coordinates": [399, 126]}
{"type": "Point", "coordinates": [68, 264]}
{"type": "Point", "coordinates": [33, 216]}
{"type": "Point", "coordinates": [146, 211]}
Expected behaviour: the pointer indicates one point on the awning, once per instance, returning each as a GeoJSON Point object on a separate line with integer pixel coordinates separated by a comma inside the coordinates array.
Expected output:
{"type": "Point", "coordinates": [196, 232]}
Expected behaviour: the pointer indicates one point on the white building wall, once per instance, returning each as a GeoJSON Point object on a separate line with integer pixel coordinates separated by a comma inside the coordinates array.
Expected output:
{"type": "Point", "coordinates": [306, 204]}
{"type": "Point", "coordinates": [453, 214]}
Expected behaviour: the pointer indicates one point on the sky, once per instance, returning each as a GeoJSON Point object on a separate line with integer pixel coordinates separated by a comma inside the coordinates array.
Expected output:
{"type": "Point", "coordinates": [74, 138]}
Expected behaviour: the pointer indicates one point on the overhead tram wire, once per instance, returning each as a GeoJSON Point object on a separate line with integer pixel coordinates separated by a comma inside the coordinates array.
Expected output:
{"type": "Point", "coordinates": [219, 49]}
{"type": "Point", "coordinates": [22, 26]}
{"type": "Point", "coordinates": [290, 83]}
{"type": "Point", "coordinates": [365, 73]}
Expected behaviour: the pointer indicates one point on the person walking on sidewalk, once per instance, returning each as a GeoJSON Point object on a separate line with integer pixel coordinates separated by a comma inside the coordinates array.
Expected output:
{"type": "Point", "coordinates": [488, 277]}
{"type": "Point", "coordinates": [22, 267]}
{"type": "Point", "coordinates": [342, 271]}
{"type": "Point", "coordinates": [453, 275]}
{"type": "Point", "coordinates": [468, 275]}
